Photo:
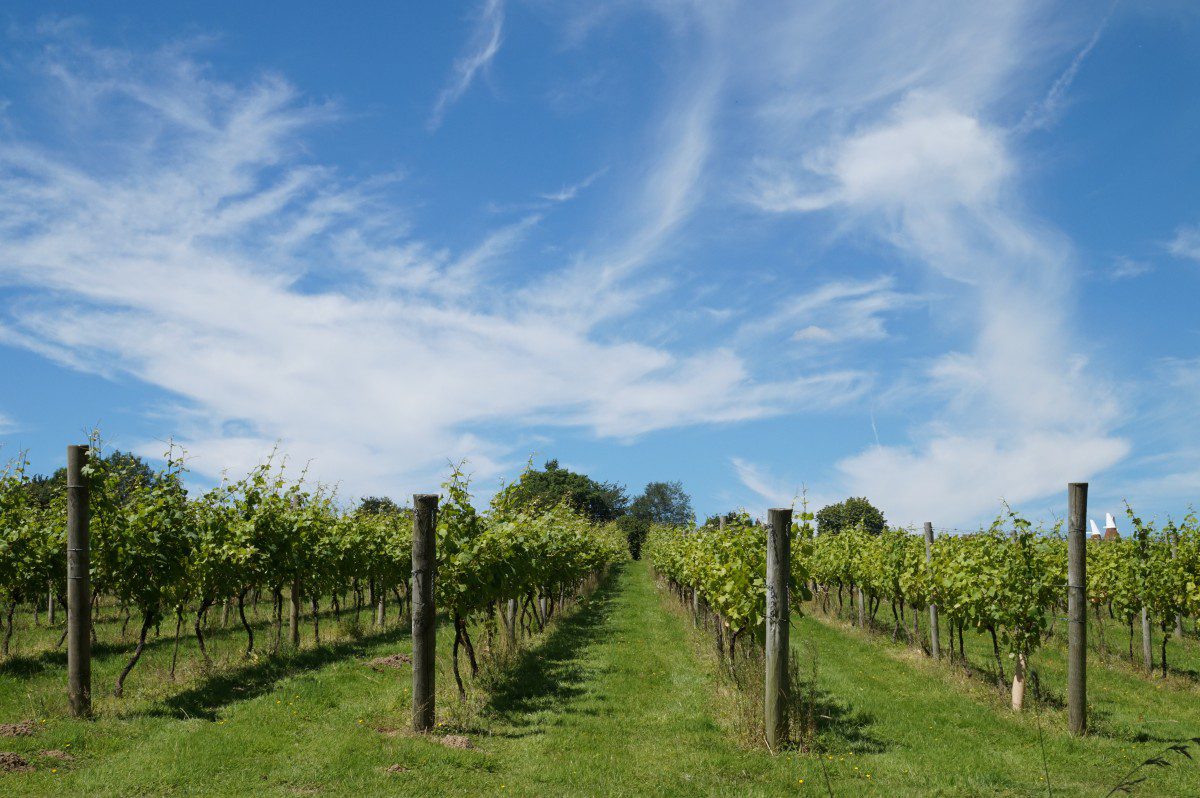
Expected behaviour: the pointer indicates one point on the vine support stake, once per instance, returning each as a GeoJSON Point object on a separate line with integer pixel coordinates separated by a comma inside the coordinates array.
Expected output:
{"type": "Point", "coordinates": [935, 647]}
{"type": "Point", "coordinates": [79, 599]}
{"type": "Point", "coordinates": [424, 624]}
{"type": "Point", "coordinates": [1077, 608]}
{"type": "Point", "coordinates": [779, 560]}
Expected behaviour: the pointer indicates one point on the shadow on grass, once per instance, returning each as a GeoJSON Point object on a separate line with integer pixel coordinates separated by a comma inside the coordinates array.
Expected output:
{"type": "Point", "coordinates": [550, 675]}
{"type": "Point", "coordinates": [28, 665]}
{"type": "Point", "coordinates": [229, 686]}
{"type": "Point", "coordinates": [838, 726]}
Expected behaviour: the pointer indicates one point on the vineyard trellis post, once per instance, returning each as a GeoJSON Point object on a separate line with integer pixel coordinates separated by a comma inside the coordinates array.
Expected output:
{"type": "Point", "coordinates": [424, 630]}
{"type": "Point", "coordinates": [779, 560]}
{"type": "Point", "coordinates": [934, 631]}
{"type": "Point", "coordinates": [1077, 608]}
{"type": "Point", "coordinates": [1147, 641]}
{"type": "Point", "coordinates": [79, 600]}
{"type": "Point", "coordinates": [294, 614]}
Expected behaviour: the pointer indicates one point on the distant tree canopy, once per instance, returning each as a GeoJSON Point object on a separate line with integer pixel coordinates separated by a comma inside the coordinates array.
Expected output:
{"type": "Point", "coordinates": [133, 469]}
{"type": "Point", "coordinates": [378, 505]}
{"type": "Point", "coordinates": [660, 503]}
{"type": "Point", "coordinates": [600, 501]}
{"type": "Point", "coordinates": [848, 514]}
{"type": "Point", "coordinates": [663, 503]}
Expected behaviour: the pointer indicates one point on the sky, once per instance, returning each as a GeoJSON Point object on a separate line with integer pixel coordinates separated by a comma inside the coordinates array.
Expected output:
{"type": "Point", "coordinates": [944, 255]}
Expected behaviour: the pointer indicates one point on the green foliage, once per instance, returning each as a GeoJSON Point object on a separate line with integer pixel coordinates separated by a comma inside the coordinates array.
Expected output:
{"type": "Point", "coordinates": [853, 512]}
{"type": "Point", "coordinates": [728, 567]}
{"type": "Point", "coordinates": [663, 503]}
{"type": "Point", "coordinates": [599, 501]}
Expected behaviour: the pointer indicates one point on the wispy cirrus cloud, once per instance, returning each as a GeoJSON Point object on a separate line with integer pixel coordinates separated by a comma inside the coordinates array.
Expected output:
{"type": "Point", "coordinates": [910, 155]}
{"type": "Point", "coordinates": [1186, 243]}
{"type": "Point", "coordinates": [1047, 110]}
{"type": "Point", "coordinates": [202, 253]}
{"type": "Point", "coordinates": [839, 311]}
{"type": "Point", "coordinates": [481, 49]}
{"type": "Point", "coordinates": [570, 192]}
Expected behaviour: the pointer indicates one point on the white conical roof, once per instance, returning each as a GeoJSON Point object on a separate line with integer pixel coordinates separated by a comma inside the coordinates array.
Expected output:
{"type": "Point", "coordinates": [1095, 529]}
{"type": "Point", "coordinates": [1109, 521]}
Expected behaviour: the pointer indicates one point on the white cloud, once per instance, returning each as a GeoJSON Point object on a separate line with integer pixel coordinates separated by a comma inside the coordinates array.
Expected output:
{"type": "Point", "coordinates": [1046, 111]}
{"type": "Point", "coordinates": [480, 51]}
{"type": "Point", "coordinates": [1186, 243]}
{"type": "Point", "coordinates": [766, 487]}
{"type": "Point", "coordinates": [1126, 268]}
{"type": "Point", "coordinates": [568, 193]}
{"type": "Point", "coordinates": [909, 156]}
{"type": "Point", "coordinates": [838, 311]}
{"type": "Point", "coordinates": [279, 301]}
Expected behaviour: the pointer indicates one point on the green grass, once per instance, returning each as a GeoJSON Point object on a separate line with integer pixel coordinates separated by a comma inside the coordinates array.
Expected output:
{"type": "Point", "coordinates": [619, 697]}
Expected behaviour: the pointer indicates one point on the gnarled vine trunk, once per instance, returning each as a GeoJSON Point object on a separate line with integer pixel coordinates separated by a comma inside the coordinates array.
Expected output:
{"type": "Point", "coordinates": [148, 620]}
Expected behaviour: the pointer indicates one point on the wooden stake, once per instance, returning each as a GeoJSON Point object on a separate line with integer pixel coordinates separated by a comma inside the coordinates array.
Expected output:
{"type": "Point", "coordinates": [779, 564]}
{"type": "Point", "coordinates": [935, 647]}
{"type": "Point", "coordinates": [79, 598]}
{"type": "Point", "coordinates": [1077, 608]}
{"type": "Point", "coordinates": [424, 624]}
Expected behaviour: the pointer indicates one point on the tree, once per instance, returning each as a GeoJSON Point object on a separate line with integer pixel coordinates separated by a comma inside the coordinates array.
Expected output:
{"type": "Point", "coordinates": [599, 501]}
{"type": "Point", "coordinates": [848, 514]}
{"type": "Point", "coordinates": [662, 503]}
{"type": "Point", "coordinates": [378, 505]}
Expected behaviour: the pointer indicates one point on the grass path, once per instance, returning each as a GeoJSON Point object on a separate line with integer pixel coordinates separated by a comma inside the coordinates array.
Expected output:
{"type": "Point", "coordinates": [620, 698]}
{"type": "Point", "coordinates": [611, 702]}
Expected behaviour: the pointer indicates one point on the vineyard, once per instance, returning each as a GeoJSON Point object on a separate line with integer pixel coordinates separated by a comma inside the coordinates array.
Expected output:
{"type": "Point", "coordinates": [562, 666]}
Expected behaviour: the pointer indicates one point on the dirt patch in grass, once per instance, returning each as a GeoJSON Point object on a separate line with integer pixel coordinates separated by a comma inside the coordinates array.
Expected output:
{"type": "Point", "coordinates": [26, 728]}
{"type": "Point", "coordinates": [395, 661]}
{"type": "Point", "coordinates": [456, 741]}
{"type": "Point", "coordinates": [390, 731]}
{"type": "Point", "coordinates": [14, 763]}
{"type": "Point", "coordinates": [54, 753]}
{"type": "Point", "coordinates": [394, 769]}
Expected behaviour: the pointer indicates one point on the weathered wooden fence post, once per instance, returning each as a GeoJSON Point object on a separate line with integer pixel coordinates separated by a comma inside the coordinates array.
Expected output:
{"type": "Point", "coordinates": [294, 615]}
{"type": "Point", "coordinates": [1147, 642]}
{"type": "Point", "coordinates": [511, 618]}
{"type": "Point", "coordinates": [424, 630]}
{"type": "Point", "coordinates": [935, 647]}
{"type": "Point", "coordinates": [1077, 608]}
{"type": "Point", "coordinates": [779, 566]}
{"type": "Point", "coordinates": [79, 593]}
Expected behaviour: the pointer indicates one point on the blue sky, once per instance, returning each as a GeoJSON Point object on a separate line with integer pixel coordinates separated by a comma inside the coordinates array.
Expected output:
{"type": "Point", "coordinates": [937, 254]}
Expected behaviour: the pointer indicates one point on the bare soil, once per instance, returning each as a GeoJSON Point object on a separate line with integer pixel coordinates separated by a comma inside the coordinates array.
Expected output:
{"type": "Point", "coordinates": [13, 763]}
{"type": "Point", "coordinates": [395, 661]}
{"type": "Point", "coordinates": [26, 728]}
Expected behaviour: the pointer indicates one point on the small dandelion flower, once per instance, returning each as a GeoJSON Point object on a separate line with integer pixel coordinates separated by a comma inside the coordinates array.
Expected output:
{"type": "Point", "coordinates": [53, 770]}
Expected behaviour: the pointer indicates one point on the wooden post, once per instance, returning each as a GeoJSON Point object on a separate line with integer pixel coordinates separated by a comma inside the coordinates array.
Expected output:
{"type": "Point", "coordinates": [510, 608]}
{"type": "Point", "coordinates": [779, 565]}
{"type": "Point", "coordinates": [862, 606]}
{"type": "Point", "coordinates": [424, 629]}
{"type": "Point", "coordinates": [79, 598]}
{"type": "Point", "coordinates": [935, 647]}
{"type": "Point", "coordinates": [1147, 642]}
{"type": "Point", "coordinates": [294, 615]}
{"type": "Point", "coordinates": [1077, 608]}
{"type": "Point", "coordinates": [50, 602]}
